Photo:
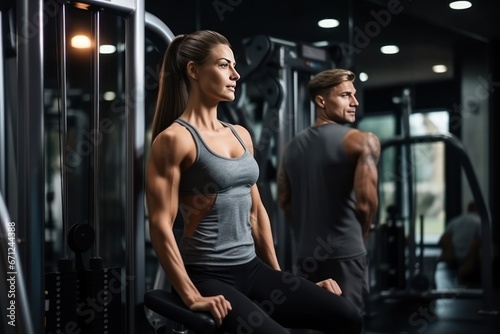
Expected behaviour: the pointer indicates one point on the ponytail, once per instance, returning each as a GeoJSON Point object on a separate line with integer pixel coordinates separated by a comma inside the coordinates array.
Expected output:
{"type": "Point", "coordinates": [172, 91]}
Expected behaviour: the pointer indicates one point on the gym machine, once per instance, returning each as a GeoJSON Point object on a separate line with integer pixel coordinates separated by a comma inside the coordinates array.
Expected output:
{"type": "Point", "coordinates": [27, 188]}
{"type": "Point", "coordinates": [410, 283]}
{"type": "Point", "coordinates": [77, 296]}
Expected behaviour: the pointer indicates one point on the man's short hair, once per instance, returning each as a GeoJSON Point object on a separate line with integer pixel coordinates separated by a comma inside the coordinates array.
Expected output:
{"type": "Point", "coordinates": [322, 82]}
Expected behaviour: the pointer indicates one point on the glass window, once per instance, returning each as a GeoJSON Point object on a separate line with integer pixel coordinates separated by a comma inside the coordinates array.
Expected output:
{"type": "Point", "coordinates": [429, 159]}
{"type": "Point", "coordinates": [384, 126]}
{"type": "Point", "coordinates": [428, 166]}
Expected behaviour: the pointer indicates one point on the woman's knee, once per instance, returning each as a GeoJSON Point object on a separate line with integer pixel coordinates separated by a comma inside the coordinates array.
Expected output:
{"type": "Point", "coordinates": [353, 320]}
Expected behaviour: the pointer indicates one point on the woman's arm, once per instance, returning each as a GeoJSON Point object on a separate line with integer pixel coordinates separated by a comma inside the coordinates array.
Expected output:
{"type": "Point", "coordinates": [168, 153]}
{"type": "Point", "coordinates": [261, 231]}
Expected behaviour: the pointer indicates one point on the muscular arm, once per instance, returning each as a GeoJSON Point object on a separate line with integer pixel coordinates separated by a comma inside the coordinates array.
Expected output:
{"type": "Point", "coordinates": [364, 149]}
{"type": "Point", "coordinates": [261, 225]}
{"type": "Point", "coordinates": [261, 231]}
{"type": "Point", "coordinates": [163, 171]}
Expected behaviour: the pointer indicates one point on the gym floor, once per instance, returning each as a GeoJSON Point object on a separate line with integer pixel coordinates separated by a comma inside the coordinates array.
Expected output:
{"type": "Point", "coordinates": [451, 314]}
{"type": "Point", "coordinates": [455, 309]}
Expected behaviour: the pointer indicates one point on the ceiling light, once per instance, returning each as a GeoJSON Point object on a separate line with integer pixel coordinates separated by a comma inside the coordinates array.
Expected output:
{"type": "Point", "coordinates": [107, 49]}
{"type": "Point", "coordinates": [328, 23]}
{"type": "Point", "coordinates": [80, 42]}
{"type": "Point", "coordinates": [389, 49]}
{"type": "Point", "coordinates": [109, 96]}
{"type": "Point", "coordinates": [320, 44]}
{"type": "Point", "coordinates": [460, 5]}
{"type": "Point", "coordinates": [363, 76]}
{"type": "Point", "coordinates": [439, 68]}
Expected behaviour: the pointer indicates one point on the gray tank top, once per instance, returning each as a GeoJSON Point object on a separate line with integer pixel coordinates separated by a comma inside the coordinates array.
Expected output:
{"type": "Point", "coordinates": [223, 236]}
{"type": "Point", "coordinates": [323, 216]}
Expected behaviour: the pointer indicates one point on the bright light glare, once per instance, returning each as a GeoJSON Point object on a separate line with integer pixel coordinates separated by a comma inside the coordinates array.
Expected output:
{"type": "Point", "coordinates": [460, 5]}
{"type": "Point", "coordinates": [109, 96]}
{"type": "Point", "coordinates": [321, 43]}
{"type": "Point", "coordinates": [107, 49]}
{"type": "Point", "coordinates": [363, 76]}
{"type": "Point", "coordinates": [389, 49]}
{"type": "Point", "coordinates": [439, 68]}
{"type": "Point", "coordinates": [328, 23]}
{"type": "Point", "coordinates": [80, 42]}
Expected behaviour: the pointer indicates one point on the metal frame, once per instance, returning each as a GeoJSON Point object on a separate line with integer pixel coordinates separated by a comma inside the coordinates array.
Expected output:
{"type": "Point", "coordinates": [486, 260]}
{"type": "Point", "coordinates": [23, 318]}
{"type": "Point", "coordinates": [29, 213]}
{"type": "Point", "coordinates": [30, 151]}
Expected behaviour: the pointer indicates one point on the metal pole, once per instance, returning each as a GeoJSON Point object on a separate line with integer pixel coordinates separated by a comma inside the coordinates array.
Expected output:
{"type": "Point", "coordinates": [135, 132]}
{"type": "Point", "coordinates": [63, 121]}
{"type": "Point", "coordinates": [407, 177]}
{"type": "Point", "coordinates": [159, 27]}
{"type": "Point", "coordinates": [96, 132]}
{"type": "Point", "coordinates": [18, 318]}
{"type": "Point", "coordinates": [3, 135]}
{"type": "Point", "coordinates": [30, 151]}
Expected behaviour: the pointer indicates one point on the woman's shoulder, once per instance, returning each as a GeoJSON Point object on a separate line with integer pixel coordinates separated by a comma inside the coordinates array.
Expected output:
{"type": "Point", "coordinates": [175, 137]}
{"type": "Point", "coordinates": [240, 129]}
{"type": "Point", "coordinates": [244, 134]}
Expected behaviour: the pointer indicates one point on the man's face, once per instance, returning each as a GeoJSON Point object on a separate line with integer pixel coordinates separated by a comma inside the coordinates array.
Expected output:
{"type": "Point", "coordinates": [340, 103]}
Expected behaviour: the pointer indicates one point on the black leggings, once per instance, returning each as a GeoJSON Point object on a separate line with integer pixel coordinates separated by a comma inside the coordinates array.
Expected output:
{"type": "Point", "coordinates": [266, 301]}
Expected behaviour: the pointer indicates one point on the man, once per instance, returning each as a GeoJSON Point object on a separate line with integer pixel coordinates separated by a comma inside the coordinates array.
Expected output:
{"type": "Point", "coordinates": [327, 186]}
{"type": "Point", "coordinates": [460, 244]}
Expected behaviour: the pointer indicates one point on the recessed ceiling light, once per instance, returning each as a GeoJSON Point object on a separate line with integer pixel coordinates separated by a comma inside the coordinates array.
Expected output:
{"type": "Point", "coordinates": [107, 49]}
{"type": "Point", "coordinates": [460, 5]}
{"type": "Point", "coordinates": [80, 42]}
{"type": "Point", "coordinates": [363, 76]}
{"type": "Point", "coordinates": [439, 68]}
{"type": "Point", "coordinates": [328, 23]}
{"type": "Point", "coordinates": [389, 49]}
{"type": "Point", "coordinates": [320, 44]}
{"type": "Point", "coordinates": [109, 96]}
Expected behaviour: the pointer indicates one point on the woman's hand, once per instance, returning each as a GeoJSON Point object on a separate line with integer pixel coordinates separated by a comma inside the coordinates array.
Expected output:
{"type": "Point", "coordinates": [331, 286]}
{"type": "Point", "coordinates": [218, 306]}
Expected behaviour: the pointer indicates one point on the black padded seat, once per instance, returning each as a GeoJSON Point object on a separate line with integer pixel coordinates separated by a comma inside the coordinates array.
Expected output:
{"type": "Point", "coordinates": [171, 307]}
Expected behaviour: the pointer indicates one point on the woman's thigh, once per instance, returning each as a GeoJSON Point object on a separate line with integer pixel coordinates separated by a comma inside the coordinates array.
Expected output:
{"type": "Point", "coordinates": [245, 316]}
{"type": "Point", "coordinates": [298, 303]}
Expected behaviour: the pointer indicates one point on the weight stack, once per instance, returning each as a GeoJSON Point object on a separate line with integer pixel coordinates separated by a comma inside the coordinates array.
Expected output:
{"type": "Point", "coordinates": [60, 302]}
{"type": "Point", "coordinates": [391, 269]}
{"type": "Point", "coordinates": [99, 301]}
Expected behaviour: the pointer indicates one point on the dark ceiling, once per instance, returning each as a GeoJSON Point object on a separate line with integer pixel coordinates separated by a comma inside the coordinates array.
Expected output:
{"type": "Point", "coordinates": [428, 32]}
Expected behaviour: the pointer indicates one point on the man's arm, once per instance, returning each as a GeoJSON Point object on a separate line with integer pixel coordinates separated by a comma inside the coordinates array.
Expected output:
{"type": "Point", "coordinates": [364, 149]}
{"type": "Point", "coordinates": [284, 191]}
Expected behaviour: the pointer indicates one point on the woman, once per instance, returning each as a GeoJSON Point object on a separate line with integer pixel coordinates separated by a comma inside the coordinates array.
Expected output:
{"type": "Point", "coordinates": [204, 170]}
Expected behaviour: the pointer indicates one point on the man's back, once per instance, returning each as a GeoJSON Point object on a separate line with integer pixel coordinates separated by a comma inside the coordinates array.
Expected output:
{"type": "Point", "coordinates": [323, 203]}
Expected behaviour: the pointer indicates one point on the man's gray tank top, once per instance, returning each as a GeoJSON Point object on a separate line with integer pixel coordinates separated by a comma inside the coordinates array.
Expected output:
{"type": "Point", "coordinates": [321, 174]}
{"type": "Point", "coordinates": [223, 236]}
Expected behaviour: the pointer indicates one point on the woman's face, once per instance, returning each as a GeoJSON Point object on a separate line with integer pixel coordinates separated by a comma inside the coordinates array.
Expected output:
{"type": "Point", "coordinates": [217, 76]}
